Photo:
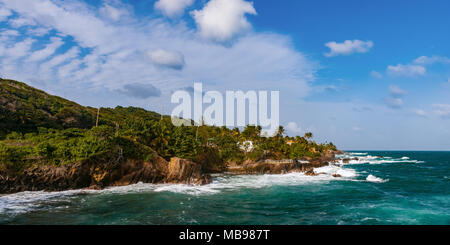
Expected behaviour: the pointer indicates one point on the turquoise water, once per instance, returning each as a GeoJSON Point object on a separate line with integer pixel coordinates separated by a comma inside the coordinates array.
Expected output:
{"type": "Point", "coordinates": [403, 188]}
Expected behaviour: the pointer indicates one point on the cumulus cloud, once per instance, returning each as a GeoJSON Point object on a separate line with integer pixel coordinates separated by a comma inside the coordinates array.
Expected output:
{"type": "Point", "coordinates": [418, 67]}
{"type": "Point", "coordinates": [172, 8]}
{"type": "Point", "coordinates": [106, 55]}
{"type": "Point", "coordinates": [141, 91]}
{"type": "Point", "coordinates": [442, 110]}
{"type": "Point", "coordinates": [221, 20]}
{"type": "Point", "coordinates": [406, 70]}
{"type": "Point", "coordinates": [160, 57]}
{"type": "Point", "coordinates": [293, 128]}
{"type": "Point", "coordinates": [348, 47]}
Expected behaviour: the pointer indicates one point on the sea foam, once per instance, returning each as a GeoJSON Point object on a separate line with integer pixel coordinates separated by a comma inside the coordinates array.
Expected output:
{"type": "Point", "coordinates": [374, 179]}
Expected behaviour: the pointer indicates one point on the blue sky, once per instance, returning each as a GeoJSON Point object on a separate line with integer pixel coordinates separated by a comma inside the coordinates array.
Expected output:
{"type": "Point", "coordinates": [367, 75]}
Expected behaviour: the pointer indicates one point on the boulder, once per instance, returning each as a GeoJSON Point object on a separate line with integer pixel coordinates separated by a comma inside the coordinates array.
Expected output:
{"type": "Point", "coordinates": [185, 171]}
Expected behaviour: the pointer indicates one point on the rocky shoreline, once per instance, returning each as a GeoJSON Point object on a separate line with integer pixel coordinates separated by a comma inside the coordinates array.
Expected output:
{"type": "Point", "coordinates": [107, 171]}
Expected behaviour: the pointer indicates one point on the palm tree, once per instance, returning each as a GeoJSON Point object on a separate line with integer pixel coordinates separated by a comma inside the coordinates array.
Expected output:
{"type": "Point", "coordinates": [162, 137]}
{"type": "Point", "coordinates": [280, 131]}
{"type": "Point", "coordinates": [308, 135]}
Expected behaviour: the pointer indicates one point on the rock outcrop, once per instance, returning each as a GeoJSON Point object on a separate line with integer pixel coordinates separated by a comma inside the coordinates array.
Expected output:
{"type": "Point", "coordinates": [188, 171]}
{"type": "Point", "coordinates": [103, 171]}
{"type": "Point", "coordinates": [306, 165]}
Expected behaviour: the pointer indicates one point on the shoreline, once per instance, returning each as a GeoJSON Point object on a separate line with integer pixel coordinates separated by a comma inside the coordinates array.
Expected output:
{"type": "Point", "coordinates": [104, 172]}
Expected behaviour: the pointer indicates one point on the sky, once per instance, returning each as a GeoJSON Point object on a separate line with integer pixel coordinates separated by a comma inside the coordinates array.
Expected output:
{"type": "Point", "coordinates": [366, 75]}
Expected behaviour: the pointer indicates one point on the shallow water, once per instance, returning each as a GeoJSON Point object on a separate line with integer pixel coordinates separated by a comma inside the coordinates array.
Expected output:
{"type": "Point", "coordinates": [400, 188]}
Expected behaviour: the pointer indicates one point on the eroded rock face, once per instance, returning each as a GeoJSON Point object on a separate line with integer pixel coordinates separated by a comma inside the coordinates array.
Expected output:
{"type": "Point", "coordinates": [277, 168]}
{"type": "Point", "coordinates": [190, 172]}
{"type": "Point", "coordinates": [104, 171]}
{"type": "Point", "coordinates": [305, 165]}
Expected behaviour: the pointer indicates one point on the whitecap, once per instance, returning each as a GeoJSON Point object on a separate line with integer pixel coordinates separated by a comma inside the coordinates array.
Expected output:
{"type": "Point", "coordinates": [336, 170]}
{"type": "Point", "coordinates": [374, 179]}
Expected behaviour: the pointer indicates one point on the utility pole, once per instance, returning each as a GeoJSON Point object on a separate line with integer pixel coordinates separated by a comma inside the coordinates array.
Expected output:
{"type": "Point", "coordinates": [98, 114]}
{"type": "Point", "coordinates": [117, 129]}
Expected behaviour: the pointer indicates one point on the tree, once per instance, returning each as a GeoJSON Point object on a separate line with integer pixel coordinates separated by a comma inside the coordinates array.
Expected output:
{"type": "Point", "coordinates": [280, 131]}
{"type": "Point", "coordinates": [162, 137]}
{"type": "Point", "coordinates": [308, 135]}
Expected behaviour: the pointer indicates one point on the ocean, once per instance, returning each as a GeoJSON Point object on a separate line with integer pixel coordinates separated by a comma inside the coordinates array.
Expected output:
{"type": "Point", "coordinates": [380, 188]}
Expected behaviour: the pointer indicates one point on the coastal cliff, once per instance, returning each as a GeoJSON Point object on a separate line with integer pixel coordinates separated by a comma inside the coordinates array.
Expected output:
{"type": "Point", "coordinates": [52, 144]}
{"type": "Point", "coordinates": [269, 166]}
{"type": "Point", "coordinates": [104, 171]}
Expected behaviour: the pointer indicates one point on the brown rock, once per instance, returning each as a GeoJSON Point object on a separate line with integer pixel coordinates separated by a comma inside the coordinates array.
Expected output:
{"type": "Point", "coordinates": [103, 171]}
{"type": "Point", "coordinates": [185, 171]}
{"type": "Point", "coordinates": [310, 173]}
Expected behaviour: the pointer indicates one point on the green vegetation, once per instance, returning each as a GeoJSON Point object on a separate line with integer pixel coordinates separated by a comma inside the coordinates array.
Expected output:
{"type": "Point", "coordinates": [37, 128]}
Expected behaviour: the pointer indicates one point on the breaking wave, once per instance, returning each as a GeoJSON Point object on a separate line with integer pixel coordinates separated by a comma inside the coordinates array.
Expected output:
{"type": "Point", "coordinates": [374, 179]}
{"type": "Point", "coordinates": [28, 201]}
{"type": "Point", "coordinates": [365, 158]}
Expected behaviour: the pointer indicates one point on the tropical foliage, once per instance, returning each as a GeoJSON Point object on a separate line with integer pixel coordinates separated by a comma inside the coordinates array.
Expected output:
{"type": "Point", "coordinates": [40, 128]}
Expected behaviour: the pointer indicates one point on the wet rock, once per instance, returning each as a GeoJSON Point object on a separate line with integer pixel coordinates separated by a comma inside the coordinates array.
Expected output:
{"type": "Point", "coordinates": [310, 173]}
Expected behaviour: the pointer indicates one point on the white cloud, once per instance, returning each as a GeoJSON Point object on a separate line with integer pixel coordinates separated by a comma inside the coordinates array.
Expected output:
{"type": "Point", "coordinates": [395, 99]}
{"type": "Point", "coordinates": [38, 32]}
{"type": "Point", "coordinates": [113, 13]}
{"type": "Point", "coordinates": [72, 19]}
{"type": "Point", "coordinates": [173, 8]}
{"type": "Point", "coordinates": [60, 59]}
{"type": "Point", "coordinates": [107, 55]}
{"type": "Point", "coordinates": [348, 47]}
{"type": "Point", "coordinates": [174, 60]}
{"type": "Point", "coordinates": [50, 49]}
{"type": "Point", "coordinates": [425, 60]}
{"type": "Point", "coordinates": [19, 22]}
{"type": "Point", "coordinates": [395, 91]}
{"type": "Point", "coordinates": [357, 129]}
{"type": "Point", "coordinates": [19, 49]}
{"type": "Point", "coordinates": [420, 113]}
{"type": "Point", "coordinates": [376, 74]}
{"type": "Point", "coordinates": [293, 128]}
{"type": "Point", "coordinates": [221, 20]}
{"type": "Point", "coordinates": [395, 103]}
{"type": "Point", "coordinates": [406, 70]}
{"type": "Point", "coordinates": [442, 110]}
{"type": "Point", "coordinates": [4, 13]}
